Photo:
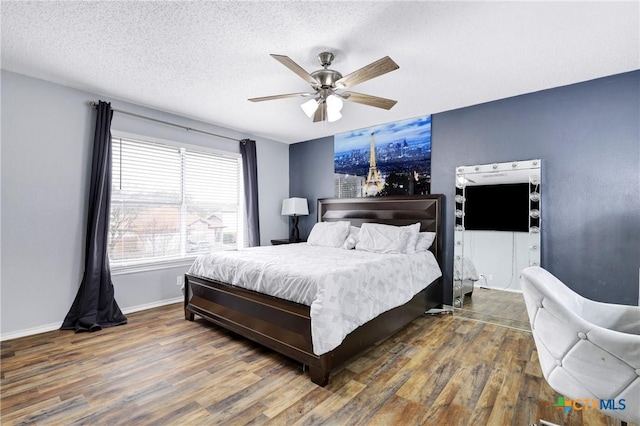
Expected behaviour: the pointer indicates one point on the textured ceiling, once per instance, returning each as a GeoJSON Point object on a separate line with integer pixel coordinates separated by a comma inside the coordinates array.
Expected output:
{"type": "Point", "coordinates": [204, 59]}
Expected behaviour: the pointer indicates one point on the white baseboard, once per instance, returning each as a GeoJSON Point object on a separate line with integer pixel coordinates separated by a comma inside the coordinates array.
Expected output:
{"type": "Point", "coordinates": [151, 305]}
{"type": "Point", "coordinates": [55, 326]}
{"type": "Point", "coordinates": [30, 331]}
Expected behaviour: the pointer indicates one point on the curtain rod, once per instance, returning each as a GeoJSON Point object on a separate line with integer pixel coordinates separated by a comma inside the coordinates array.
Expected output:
{"type": "Point", "coordinates": [189, 129]}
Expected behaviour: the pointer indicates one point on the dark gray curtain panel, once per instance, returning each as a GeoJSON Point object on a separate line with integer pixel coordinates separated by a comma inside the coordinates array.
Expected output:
{"type": "Point", "coordinates": [250, 175]}
{"type": "Point", "coordinates": [95, 306]}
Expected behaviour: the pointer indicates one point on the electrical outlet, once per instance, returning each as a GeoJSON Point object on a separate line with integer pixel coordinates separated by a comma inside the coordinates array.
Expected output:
{"type": "Point", "coordinates": [490, 277]}
{"type": "Point", "coordinates": [179, 280]}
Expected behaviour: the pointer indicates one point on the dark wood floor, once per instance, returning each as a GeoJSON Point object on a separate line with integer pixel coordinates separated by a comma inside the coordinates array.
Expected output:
{"type": "Point", "coordinates": [160, 369]}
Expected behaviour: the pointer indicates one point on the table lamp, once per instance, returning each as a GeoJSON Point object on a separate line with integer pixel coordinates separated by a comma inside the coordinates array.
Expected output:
{"type": "Point", "coordinates": [295, 207]}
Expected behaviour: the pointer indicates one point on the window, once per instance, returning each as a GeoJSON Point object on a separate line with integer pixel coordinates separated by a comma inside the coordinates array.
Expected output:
{"type": "Point", "coordinates": [170, 203]}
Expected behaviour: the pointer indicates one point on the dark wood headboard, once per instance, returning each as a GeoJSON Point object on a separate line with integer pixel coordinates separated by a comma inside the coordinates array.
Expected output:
{"type": "Point", "coordinates": [399, 211]}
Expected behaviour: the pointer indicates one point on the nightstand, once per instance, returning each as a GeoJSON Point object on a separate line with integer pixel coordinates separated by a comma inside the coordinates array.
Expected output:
{"type": "Point", "coordinates": [286, 241]}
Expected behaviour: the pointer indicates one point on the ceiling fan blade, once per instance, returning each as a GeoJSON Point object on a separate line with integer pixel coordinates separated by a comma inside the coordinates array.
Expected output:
{"type": "Point", "coordinates": [321, 113]}
{"type": "Point", "coordinates": [288, 95]}
{"type": "Point", "coordinates": [374, 69]}
{"type": "Point", "coordinates": [373, 101]}
{"type": "Point", "coordinates": [288, 62]}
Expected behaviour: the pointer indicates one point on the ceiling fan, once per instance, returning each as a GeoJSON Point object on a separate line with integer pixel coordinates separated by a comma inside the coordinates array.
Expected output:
{"type": "Point", "coordinates": [327, 84]}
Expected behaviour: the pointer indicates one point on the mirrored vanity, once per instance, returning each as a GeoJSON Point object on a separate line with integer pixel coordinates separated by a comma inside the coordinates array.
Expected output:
{"type": "Point", "coordinates": [497, 234]}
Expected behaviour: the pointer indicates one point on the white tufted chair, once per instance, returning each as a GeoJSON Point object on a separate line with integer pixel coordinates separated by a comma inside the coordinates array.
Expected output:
{"type": "Point", "coordinates": [587, 349]}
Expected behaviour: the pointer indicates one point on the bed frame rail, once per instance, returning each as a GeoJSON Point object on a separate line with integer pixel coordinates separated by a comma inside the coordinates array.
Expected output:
{"type": "Point", "coordinates": [285, 327]}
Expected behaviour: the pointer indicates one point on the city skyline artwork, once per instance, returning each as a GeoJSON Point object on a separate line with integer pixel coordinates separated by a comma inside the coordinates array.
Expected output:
{"type": "Point", "coordinates": [400, 164]}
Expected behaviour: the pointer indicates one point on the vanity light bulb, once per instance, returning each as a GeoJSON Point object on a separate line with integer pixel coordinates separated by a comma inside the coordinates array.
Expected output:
{"type": "Point", "coordinates": [535, 179]}
{"type": "Point", "coordinates": [534, 213]}
{"type": "Point", "coordinates": [459, 213]}
{"type": "Point", "coordinates": [534, 230]}
{"type": "Point", "coordinates": [459, 199]}
{"type": "Point", "coordinates": [534, 196]}
{"type": "Point", "coordinates": [459, 228]}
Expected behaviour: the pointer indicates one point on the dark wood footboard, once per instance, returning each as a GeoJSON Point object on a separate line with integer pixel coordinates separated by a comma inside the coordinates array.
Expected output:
{"type": "Point", "coordinates": [285, 327]}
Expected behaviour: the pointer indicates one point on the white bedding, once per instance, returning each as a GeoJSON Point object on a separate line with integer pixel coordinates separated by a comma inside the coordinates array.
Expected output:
{"type": "Point", "coordinates": [344, 288]}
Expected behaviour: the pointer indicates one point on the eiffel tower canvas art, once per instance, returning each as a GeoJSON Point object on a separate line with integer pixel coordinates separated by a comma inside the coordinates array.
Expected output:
{"type": "Point", "coordinates": [388, 159]}
{"type": "Point", "coordinates": [373, 184]}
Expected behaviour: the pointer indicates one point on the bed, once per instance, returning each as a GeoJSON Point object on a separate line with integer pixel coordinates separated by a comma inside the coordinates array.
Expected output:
{"type": "Point", "coordinates": [286, 327]}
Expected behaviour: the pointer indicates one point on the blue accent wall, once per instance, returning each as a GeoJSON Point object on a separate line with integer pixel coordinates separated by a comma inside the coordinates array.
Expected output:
{"type": "Point", "coordinates": [311, 176]}
{"type": "Point", "coordinates": [588, 137]}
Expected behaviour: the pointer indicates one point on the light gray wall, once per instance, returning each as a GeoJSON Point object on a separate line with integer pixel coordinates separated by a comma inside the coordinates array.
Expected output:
{"type": "Point", "coordinates": [588, 137]}
{"type": "Point", "coordinates": [47, 138]}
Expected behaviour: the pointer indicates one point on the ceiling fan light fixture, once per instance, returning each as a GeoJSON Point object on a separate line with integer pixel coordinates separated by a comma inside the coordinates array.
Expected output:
{"type": "Point", "coordinates": [334, 106]}
{"type": "Point", "coordinates": [310, 107]}
{"type": "Point", "coordinates": [327, 102]}
{"type": "Point", "coordinates": [333, 116]}
{"type": "Point", "coordinates": [334, 103]}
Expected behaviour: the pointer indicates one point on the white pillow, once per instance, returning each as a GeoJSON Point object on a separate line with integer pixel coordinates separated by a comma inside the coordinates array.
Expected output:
{"type": "Point", "coordinates": [379, 238]}
{"type": "Point", "coordinates": [329, 234]}
{"type": "Point", "coordinates": [414, 231]}
{"type": "Point", "coordinates": [352, 238]}
{"type": "Point", "coordinates": [425, 240]}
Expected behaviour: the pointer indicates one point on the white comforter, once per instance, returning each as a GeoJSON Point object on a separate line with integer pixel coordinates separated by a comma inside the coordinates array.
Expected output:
{"type": "Point", "coordinates": [344, 288]}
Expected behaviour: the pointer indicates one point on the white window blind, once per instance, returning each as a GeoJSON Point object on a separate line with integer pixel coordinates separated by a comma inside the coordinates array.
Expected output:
{"type": "Point", "coordinates": [170, 203]}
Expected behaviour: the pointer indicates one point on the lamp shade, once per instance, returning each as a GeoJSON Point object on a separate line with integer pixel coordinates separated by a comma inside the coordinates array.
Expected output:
{"type": "Point", "coordinates": [295, 207]}
{"type": "Point", "coordinates": [310, 107]}
{"type": "Point", "coordinates": [334, 106]}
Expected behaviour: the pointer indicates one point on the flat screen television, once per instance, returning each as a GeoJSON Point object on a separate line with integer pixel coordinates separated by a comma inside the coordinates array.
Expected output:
{"type": "Point", "coordinates": [497, 207]}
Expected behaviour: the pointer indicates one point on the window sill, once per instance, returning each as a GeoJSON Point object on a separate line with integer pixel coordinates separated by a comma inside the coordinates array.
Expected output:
{"type": "Point", "coordinates": [133, 269]}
